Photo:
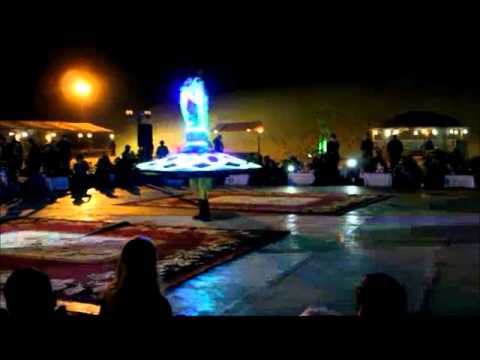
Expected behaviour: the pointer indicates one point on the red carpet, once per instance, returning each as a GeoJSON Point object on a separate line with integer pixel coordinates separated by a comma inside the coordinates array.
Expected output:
{"type": "Point", "coordinates": [81, 268]}
{"type": "Point", "coordinates": [270, 202]}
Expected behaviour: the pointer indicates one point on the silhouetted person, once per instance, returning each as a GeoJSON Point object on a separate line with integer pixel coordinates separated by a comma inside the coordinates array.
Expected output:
{"type": "Point", "coordinates": [124, 168]}
{"type": "Point", "coordinates": [128, 154]}
{"type": "Point", "coordinates": [29, 296]}
{"type": "Point", "coordinates": [65, 152]}
{"type": "Point", "coordinates": [135, 293]}
{"type": "Point", "coordinates": [14, 156]}
{"type": "Point", "coordinates": [381, 297]}
{"type": "Point", "coordinates": [367, 150]}
{"type": "Point", "coordinates": [112, 146]}
{"type": "Point", "coordinates": [435, 170]}
{"type": "Point", "coordinates": [162, 150]}
{"type": "Point", "coordinates": [378, 162]}
{"type": "Point", "coordinates": [428, 145]}
{"type": "Point", "coordinates": [218, 144]}
{"type": "Point", "coordinates": [35, 191]}
{"type": "Point", "coordinates": [51, 160]}
{"type": "Point", "coordinates": [80, 180]}
{"type": "Point", "coordinates": [395, 150]}
{"type": "Point", "coordinates": [407, 174]}
{"type": "Point", "coordinates": [103, 172]}
{"type": "Point", "coordinates": [3, 153]}
{"type": "Point", "coordinates": [333, 157]}
{"type": "Point", "coordinates": [34, 159]}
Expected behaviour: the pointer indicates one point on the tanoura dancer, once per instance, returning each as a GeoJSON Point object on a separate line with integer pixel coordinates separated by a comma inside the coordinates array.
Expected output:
{"type": "Point", "coordinates": [197, 161]}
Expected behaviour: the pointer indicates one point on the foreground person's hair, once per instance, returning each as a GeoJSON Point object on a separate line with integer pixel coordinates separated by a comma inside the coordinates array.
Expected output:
{"type": "Point", "coordinates": [135, 292]}
{"type": "Point", "coordinates": [29, 295]}
{"type": "Point", "coordinates": [381, 297]}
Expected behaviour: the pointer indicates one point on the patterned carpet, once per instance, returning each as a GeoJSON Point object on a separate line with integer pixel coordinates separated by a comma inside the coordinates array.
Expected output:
{"type": "Point", "coordinates": [269, 202]}
{"type": "Point", "coordinates": [81, 267]}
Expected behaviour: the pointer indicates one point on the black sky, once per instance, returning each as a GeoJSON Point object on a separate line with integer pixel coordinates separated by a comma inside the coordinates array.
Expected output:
{"type": "Point", "coordinates": [149, 55]}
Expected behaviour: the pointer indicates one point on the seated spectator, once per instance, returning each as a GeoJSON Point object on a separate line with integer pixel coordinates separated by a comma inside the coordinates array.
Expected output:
{"type": "Point", "coordinates": [35, 191]}
{"type": "Point", "coordinates": [381, 297]}
{"type": "Point", "coordinates": [436, 169]}
{"type": "Point", "coordinates": [29, 296]}
{"type": "Point", "coordinates": [378, 163]}
{"type": "Point", "coordinates": [135, 293]}
{"type": "Point", "coordinates": [407, 174]}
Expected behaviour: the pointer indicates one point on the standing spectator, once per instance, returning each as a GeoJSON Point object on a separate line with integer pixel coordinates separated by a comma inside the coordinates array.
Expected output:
{"type": "Point", "coordinates": [218, 144]}
{"type": "Point", "coordinates": [333, 157]}
{"type": "Point", "coordinates": [14, 156]}
{"type": "Point", "coordinates": [395, 150]}
{"type": "Point", "coordinates": [34, 159]}
{"type": "Point", "coordinates": [162, 150]}
{"type": "Point", "coordinates": [367, 150]}
{"type": "Point", "coordinates": [80, 179]}
{"type": "Point", "coordinates": [51, 160]}
{"type": "Point", "coordinates": [104, 169]}
{"type": "Point", "coordinates": [135, 293]}
{"type": "Point", "coordinates": [125, 168]}
{"type": "Point", "coordinates": [113, 148]}
{"type": "Point", "coordinates": [65, 152]}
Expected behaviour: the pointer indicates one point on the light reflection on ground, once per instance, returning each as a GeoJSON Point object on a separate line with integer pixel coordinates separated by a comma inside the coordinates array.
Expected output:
{"type": "Point", "coordinates": [33, 238]}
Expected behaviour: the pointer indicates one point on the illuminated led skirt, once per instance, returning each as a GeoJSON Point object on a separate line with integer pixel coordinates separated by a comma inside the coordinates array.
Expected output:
{"type": "Point", "coordinates": [197, 165]}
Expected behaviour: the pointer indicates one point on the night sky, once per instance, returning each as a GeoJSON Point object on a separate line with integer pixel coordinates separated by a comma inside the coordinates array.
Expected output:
{"type": "Point", "coordinates": [145, 58]}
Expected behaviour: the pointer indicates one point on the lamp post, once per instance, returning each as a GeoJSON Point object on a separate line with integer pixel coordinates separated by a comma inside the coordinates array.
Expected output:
{"type": "Point", "coordinates": [259, 131]}
{"type": "Point", "coordinates": [144, 131]}
{"type": "Point", "coordinates": [138, 116]}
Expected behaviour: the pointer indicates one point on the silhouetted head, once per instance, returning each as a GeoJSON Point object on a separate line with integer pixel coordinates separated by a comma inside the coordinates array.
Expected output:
{"type": "Point", "coordinates": [367, 135]}
{"type": "Point", "coordinates": [127, 147]}
{"type": "Point", "coordinates": [29, 295]}
{"type": "Point", "coordinates": [137, 267]}
{"type": "Point", "coordinates": [395, 137]}
{"type": "Point", "coordinates": [333, 136]}
{"type": "Point", "coordinates": [162, 143]}
{"type": "Point", "coordinates": [80, 157]}
{"type": "Point", "coordinates": [381, 296]}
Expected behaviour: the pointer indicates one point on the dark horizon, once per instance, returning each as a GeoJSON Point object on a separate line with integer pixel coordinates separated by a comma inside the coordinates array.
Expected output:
{"type": "Point", "coordinates": [146, 65]}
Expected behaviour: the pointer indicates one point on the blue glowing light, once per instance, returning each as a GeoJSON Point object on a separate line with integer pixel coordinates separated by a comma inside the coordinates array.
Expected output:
{"type": "Point", "coordinates": [194, 162]}
{"type": "Point", "coordinates": [194, 109]}
{"type": "Point", "coordinates": [196, 157]}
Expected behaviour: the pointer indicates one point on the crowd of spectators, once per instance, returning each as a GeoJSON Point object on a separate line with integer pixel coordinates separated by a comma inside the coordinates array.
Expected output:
{"type": "Point", "coordinates": [34, 163]}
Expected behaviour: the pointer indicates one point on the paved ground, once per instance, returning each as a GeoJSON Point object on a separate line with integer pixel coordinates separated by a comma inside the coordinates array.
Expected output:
{"type": "Point", "coordinates": [428, 241]}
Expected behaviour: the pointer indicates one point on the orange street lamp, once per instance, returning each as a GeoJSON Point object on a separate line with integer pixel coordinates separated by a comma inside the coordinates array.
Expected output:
{"type": "Point", "coordinates": [82, 88]}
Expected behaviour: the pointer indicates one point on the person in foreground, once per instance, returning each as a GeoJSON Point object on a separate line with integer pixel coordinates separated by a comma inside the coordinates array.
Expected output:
{"type": "Point", "coordinates": [379, 297]}
{"type": "Point", "coordinates": [29, 297]}
{"type": "Point", "coordinates": [135, 294]}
